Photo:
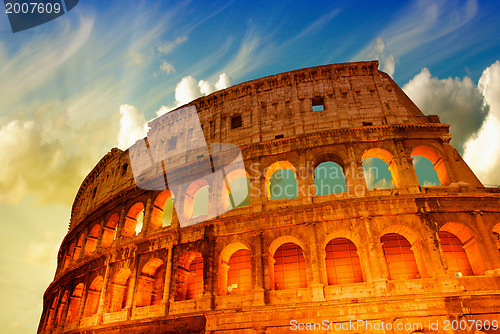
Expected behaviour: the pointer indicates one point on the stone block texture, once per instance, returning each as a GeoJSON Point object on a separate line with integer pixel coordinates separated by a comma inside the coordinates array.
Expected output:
{"type": "Point", "coordinates": [400, 255]}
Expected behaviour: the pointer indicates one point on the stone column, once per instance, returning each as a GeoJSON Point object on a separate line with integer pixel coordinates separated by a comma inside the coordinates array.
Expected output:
{"type": "Point", "coordinates": [102, 300]}
{"type": "Point", "coordinates": [431, 246]}
{"type": "Point", "coordinates": [146, 226]}
{"type": "Point", "coordinates": [168, 279]}
{"type": "Point", "coordinates": [486, 244]}
{"type": "Point", "coordinates": [121, 224]}
{"type": "Point", "coordinates": [420, 258]}
{"type": "Point", "coordinates": [214, 195]}
{"type": "Point", "coordinates": [84, 243]}
{"type": "Point", "coordinates": [305, 179]}
{"type": "Point", "coordinates": [131, 302]}
{"type": "Point", "coordinates": [52, 321]}
{"type": "Point", "coordinates": [179, 200]}
{"type": "Point", "coordinates": [258, 290]}
{"type": "Point", "coordinates": [354, 175]}
{"type": "Point", "coordinates": [314, 261]}
{"type": "Point", "coordinates": [256, 187]}
{"type": "Point", "coordinates": [99, 236]}
{"type": "Point", "coordinates": [403, 166]}
{"type": "Point", "coordinates": [83, 301]}
{"type": "Point", "coordinates": [209, 274]}
{"type": "Point", "coordinates": [375, 253]}
{"type": "Point", "coordinates": [65, 309]}
{"type": "Point", "coordinates": [263, 192]}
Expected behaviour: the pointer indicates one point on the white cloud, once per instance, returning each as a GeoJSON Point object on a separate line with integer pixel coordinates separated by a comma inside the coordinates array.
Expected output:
{"type": "Point", "coordinates": [206, 87]}
{"type": "Point", "coordinates": [133, 126]}
{"type": "Point", "coordinates": [224, 82]}
{"type": "Point", "coordinates": [167, 47]}
{"type": "Point", "coordinates": [482, 152]}
{"type": "Point", "coordinates": [167, 67]}
{"type": "Point", "coordinates": [188, 89]}
{"type": "Point", "coordinates": [378, 50]}
{"type": "Point", "coordinates": [457, 101]}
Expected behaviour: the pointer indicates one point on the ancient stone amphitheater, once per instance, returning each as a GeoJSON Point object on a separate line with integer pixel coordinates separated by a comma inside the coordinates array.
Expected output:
{"type": "Point", "coordinates": [140, 257]}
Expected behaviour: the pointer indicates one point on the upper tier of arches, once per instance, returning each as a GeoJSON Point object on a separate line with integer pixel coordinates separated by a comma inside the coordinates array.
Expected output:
{"type": "Point", "coordinates": [336, 174]}
{"type": "Point", "coordinates": [264, 114]}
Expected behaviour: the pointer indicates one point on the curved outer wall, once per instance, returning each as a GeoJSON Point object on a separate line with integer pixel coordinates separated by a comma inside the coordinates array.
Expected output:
{"type": "Point", "coordinates": [366, 115]}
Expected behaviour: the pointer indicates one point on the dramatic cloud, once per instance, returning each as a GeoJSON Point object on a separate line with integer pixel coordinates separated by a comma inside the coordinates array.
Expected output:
{"type": "Point", "coordinates": [33, 165]}
{"type": "Point", "coordinates": [379, 51]}
{"type": "Point", "coordinates": [167, 67]}
{"type": "Point", "coordinates": [482, 152]}
{"type": "Point", "coordinates": [39, 157]}
{"type": "Point", "coordinates": [188, 89]}
{"type": "Point", "coordinates": [206, 87]}
{"type": "Point", "coordinates": [457, 102]}
{"type": "Point", "coordinates": [223, 82]}
{"type": "Point", "coordinates": [133, 126]}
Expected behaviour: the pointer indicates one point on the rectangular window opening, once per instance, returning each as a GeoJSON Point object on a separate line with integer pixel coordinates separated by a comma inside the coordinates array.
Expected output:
{"type": "Point", "coordinates": [318, 104]}
{"type": "Point", "coordinates": [236, 122]}
{"type": "Point", "coordinates": [279, 136]}
{"type": "Point", "coordinates": [367, 123]}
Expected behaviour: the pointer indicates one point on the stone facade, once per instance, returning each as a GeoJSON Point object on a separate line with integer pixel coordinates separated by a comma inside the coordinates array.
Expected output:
{"type": "Point", "coordinates": [283, 254]}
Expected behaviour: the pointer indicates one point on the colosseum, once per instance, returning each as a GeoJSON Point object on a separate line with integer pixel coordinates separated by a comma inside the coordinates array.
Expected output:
{"type": "Point", "coordinates": [222, 220]}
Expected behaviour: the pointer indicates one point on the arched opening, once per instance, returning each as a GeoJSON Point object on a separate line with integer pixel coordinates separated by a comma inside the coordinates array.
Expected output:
{"type": "Point", "coordinates": [190, 277]}
{"type": "Point", "coordinates": [342, 262]}
{"type": "Point", "coordinates": [426, 174]}
{"type": "Point", "coordinates": [91, 243]}
{"type": "Point", "coordinates": [236, 190]}
{"type": "Point", "coordinates": [455, 255]}
{"type": "Point", "coordinates": [163, 210]}
{"type": "Point", "coordinates": [120, 290]}
{"type": "Point", "coordinates": [235, 272]}
{"type": "Point", "coordinates": [60, 307]}
{"type": "Point", "coordinates": [289, 267]}
{"type": "Point", "coordinates": [93, 297]}
{"type": "Point", "coordinates": [78, 247]}
{"type": "Point", "coordinates": [329, 179]}
{"type": "Point", "coordinates": [469, 245]}
{"type": "Point", "coordinates": [150, 289]}
{"type": "Point", "coordinates": [399, 257]}
{"type": "Point", "coordinates": [134, 220]}
{"type": "Point", "coordinates": [380, 169]}
{"type": "Point", "coordinates": [74, 303]}
{"type": "Point", "coordinates": [69, 255]}
{"type": "Point", "coordinates": [196, 199]}
{"type": "Point", "coordinates": [435, 161]}
{"type": "Point", "coordinates": [109, 233]}
{"type": "Point", "coordinates": [281, 181]}
{"type": "Point", "coordinates": [496, 235]}
{"type": "Point", "coordinates": [50, 313]}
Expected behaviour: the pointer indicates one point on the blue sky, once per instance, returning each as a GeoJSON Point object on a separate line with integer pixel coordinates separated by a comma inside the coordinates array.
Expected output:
{"type": "Point", "coordinates": [77, 86]}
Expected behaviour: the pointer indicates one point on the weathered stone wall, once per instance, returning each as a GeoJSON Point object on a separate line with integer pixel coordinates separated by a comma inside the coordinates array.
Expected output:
{"type": "Point", "coordinates": [101, 254]}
